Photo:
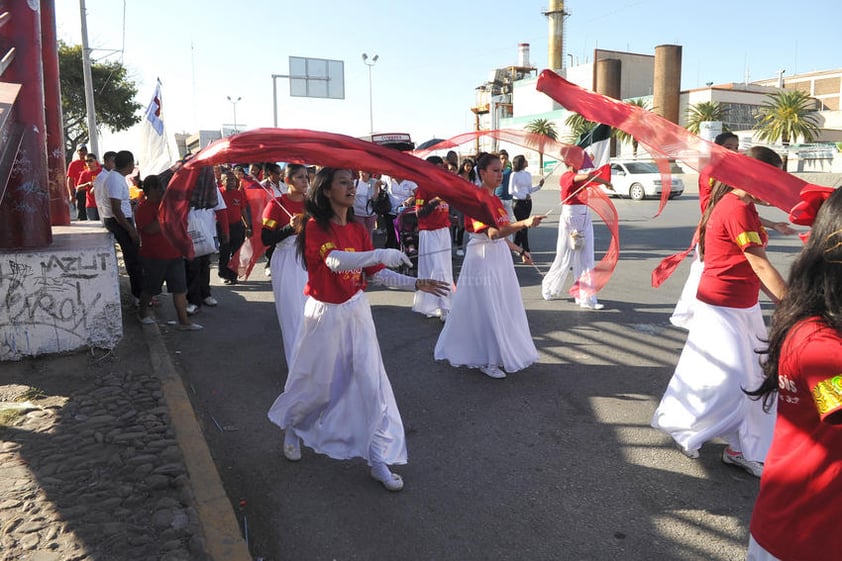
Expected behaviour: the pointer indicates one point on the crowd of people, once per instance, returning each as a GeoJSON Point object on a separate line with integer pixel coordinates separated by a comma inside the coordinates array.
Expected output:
{"type": "Point", "coordinates": [774, 397]}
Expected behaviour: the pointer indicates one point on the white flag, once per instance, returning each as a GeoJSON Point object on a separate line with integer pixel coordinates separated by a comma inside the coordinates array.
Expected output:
{"type": "Point", "coordinates": [155, 155]}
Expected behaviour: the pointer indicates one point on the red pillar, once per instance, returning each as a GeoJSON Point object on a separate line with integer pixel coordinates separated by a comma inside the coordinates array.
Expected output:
{"type": "Point", "coordinates": [56, 166]}
{"type": "Point", "coordinates": [25, 211]}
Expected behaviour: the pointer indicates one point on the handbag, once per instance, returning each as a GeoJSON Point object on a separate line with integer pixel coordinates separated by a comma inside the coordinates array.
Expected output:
{"type": "Point", "coordinates": [201, 227]}
{"type": "Point", "coordinates": [382, 204]}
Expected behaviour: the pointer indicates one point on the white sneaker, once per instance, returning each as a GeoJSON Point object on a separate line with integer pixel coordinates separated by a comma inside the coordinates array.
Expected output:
{"type": "Point", "coordinates": [210, 301]}
{"type": "Point", "coordinates": [591, 305]}
{"type": "Point", "coordinates": [391, 481]}
{"type": "Point", "coordinates": [189, 327]}
{"type": "Point", "coordinates": [460, 252]}
{"type": "Point", "coordinates": [492, 372]}
{"type": "Point", "coordinates": [191, 309]}
{"type": "Point", "coordinates": [737, 459]}
{"type": "Point", "coordinates": [267, 271]}
{"type": "Point", "coordinates": [292, 446]}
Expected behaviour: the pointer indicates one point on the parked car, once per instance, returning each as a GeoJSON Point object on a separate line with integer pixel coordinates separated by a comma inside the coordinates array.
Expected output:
{"type": "Point", "coordinates": [640, 179]}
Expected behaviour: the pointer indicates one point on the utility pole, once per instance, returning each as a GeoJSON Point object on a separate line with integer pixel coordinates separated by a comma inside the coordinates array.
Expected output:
{"type": "Point", "coordinates": [93, 141]}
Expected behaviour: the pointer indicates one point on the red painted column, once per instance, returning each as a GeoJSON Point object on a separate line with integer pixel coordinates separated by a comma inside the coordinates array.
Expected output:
{"type": "Point", "coordinates": [25, 211]}
{"type": "Point", "coordinates": [56, 166]}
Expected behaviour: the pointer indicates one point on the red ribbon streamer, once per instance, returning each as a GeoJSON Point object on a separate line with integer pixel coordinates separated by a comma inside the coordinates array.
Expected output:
{"type": "Point", "coordinates": [306, 146]}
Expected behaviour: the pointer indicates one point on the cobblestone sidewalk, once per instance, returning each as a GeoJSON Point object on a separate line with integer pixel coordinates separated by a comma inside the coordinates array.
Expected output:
{"type": "Point", "coordinates": [90, 469]}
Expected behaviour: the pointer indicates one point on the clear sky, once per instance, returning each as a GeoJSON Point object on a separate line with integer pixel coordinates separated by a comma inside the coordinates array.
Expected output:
{"type": "Point", "coordinates": [432, 54]}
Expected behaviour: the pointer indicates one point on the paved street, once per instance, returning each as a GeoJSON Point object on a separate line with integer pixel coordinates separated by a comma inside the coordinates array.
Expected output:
{"type": "Point", "coordinates": [557, 462]}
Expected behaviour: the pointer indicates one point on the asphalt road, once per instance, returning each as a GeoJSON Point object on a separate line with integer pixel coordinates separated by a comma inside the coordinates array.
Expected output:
{"type": "Point", "coordinates": [557, 462]}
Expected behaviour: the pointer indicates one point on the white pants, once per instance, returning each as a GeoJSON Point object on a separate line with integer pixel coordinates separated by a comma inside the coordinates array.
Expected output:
{"type": "Point", "coordinates": [578, 218]}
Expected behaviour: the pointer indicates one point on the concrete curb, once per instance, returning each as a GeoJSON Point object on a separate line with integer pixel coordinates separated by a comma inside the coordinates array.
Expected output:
{"type": "Point", "coordinates": [220, 528]}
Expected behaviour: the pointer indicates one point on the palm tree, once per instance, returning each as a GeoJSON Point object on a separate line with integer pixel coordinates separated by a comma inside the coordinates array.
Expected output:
{"type": "Point", "coordinates": [705, 111]}
{"type": "Point", "coordinates": [578, 126]}
{"type": "Point", "coordinates": [785, 116]}
{"type": "Point", "coordinates": [545, 127]}
{"type": "Point", "coordinates": [622, 136]}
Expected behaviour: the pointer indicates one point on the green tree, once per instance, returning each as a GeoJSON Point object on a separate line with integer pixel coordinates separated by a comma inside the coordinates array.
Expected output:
{"type": "Point", "coordinates": [545, 127]}
{"type": "Point", "coordinates": [577, 125]}
{"type": "Point", "coordinates": [114, 96]}
{"type": "Point", "coordinates": [623, 136]}
{"type": "Point", "coordinates": [705, 111]}
{"type": "Point", "coordinates": [785, 116]}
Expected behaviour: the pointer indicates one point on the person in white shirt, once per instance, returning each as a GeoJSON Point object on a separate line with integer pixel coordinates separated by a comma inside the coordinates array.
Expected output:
{"type": "Point", "coordinates": [521, 189]}
{"type": "Point", "coordinates": [103, 204]}
{"type": "Point", "coordinates": [119, 218]}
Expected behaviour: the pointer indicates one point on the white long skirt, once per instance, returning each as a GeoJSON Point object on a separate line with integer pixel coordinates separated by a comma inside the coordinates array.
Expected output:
{"type": "Point", "coordinates": [434, 262]}
{"type": "Point", "coordinates": [487, 325]}
{"type": "Point", "coordinates": [288, 281]}
{"type": "Point", "coordinates": [704, 398]}
{"type": "Point", "coordinates": [683, 312]}
{"type": "Point", "coordinates": [337, 397]}
{"type": "Point", "coordinates": [578, 218]}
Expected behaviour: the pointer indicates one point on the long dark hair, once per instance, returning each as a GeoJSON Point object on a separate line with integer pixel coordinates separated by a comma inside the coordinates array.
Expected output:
{"type": "Point", "coordinates": [762, 153]}
{"type": "Point", "coordinates": [317, 206]}
{"type": "Point", "coordinates": [484, 160]}
{"type": "Point", "coordinates": [472, 175]}
{"type": "Point", "coordinates": [814, 289]}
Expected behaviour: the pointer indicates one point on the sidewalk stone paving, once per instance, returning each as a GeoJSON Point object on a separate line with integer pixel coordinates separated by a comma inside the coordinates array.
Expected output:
{"type": "Point", "coordinates": [90, 469]}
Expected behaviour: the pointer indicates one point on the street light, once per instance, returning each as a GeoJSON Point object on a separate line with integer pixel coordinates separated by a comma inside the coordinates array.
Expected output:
{"type": "Point", "coordinates": [370, 62]}
{"type": "Point", "coordinates": [234, 104]}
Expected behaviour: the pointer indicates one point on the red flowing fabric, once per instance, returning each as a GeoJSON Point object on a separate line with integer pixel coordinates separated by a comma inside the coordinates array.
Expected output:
{"type": "Point", "coordinates": [244, 259]}
{"type": "Point", "coordinates": [667, 140]}
{"type": "Point", "coordinates": [604, 208]}
{"type": "Point", "coordinates": [307, 147]}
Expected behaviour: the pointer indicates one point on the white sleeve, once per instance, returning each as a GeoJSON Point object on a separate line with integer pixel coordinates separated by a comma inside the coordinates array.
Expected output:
{"type": "Point", "coordinates": [338, 260]}
{"type": "Point", "coordinates": [392, 279]}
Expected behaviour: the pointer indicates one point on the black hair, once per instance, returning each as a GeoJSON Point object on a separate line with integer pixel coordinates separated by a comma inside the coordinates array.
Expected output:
{"type": "Point", "coordinates": [151, 182]}
{"type": "Point", "coordinates": [472, 175]}
{"type": "Point", "coordinates": [123, 158]}
{"type": "Point", "coordinates": [435, 160]}
{"type": "Point", "coordinates": [814, 288]}
{"type": "Point", "coordinates": [484, 160]}
{"type": "Point", "coordinates": [518, 163]}
{"type": "Point", "coordinates": [292, 169]}
{"type": "Point", "coordinates": [317, 206]}
{"type": "Point", "coordinates": [110, 155]}
{"type": "Point", "coordinates": [722, 137]}
{"type": "Point", "coordinates": [272, 168]}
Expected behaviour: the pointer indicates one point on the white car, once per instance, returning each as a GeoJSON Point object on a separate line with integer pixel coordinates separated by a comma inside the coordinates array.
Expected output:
{"type": "Point", "coordinates": [640, 179]}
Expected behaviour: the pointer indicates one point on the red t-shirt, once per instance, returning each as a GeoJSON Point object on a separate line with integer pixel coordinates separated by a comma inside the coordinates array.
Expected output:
{"type": "Point", "coordinates": [478, 227]}
{"type": "Point", "coordinates": [569, 186]}
{"type": "Point", "coordinates": [728, 279]}
{"type": "Point", "coordinates": [323, 284]}
{"type": "Point", "coordinates": [88, 177]}
{"type": "Point", "coordinates": [154, 246]}
{"type": "Point", "coordinates": [235, 200]}
{"type": "Point", "coordinates": [439, 218]}
{"type": "Point", "coordinates": [274, 216]}
{"type": "Point", "coordinates": [74, 169]}
{"type": "Point", "coordinates": [797, 511]}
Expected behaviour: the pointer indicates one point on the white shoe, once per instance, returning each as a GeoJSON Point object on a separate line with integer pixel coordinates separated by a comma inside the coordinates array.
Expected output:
{"type": "Point", "coordinates": [146, 320]}
{"type": "Point", "coordinates": [267, 271]}
{"type": "Point", "coordinates": [737, 459]}
{"type": "Point", "coordinates": [190, 327]}
{"type": "Point", "coordinates": [391, 481]}
{"type": "Point", "coordinates": [591, 305]}
{"type": "Point", "coordinates": [292, 446]}
{"type": "Point", "coordinates": [493, 372]}
{"type": "Point", "coordinates": [460, 252]}
{"type": "Point", "coordinates": [191, 309]}
{"type": "Point", "coordinates": [210, 301]}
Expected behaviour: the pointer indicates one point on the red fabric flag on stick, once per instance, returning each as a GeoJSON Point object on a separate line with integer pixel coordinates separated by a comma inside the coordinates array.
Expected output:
{"type": "Point", "coordinates": [308, 147]}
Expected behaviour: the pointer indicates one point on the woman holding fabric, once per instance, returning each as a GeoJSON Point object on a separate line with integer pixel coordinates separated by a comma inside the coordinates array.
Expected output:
{"type": "Point", "coordinates": [487, 327]}
{"type": "Point", "coordinates": [705, 397]}
{"type": "Point", "coordinates": [337, 398]}
{"type": "Point", "coordinates": [574, 248]}
{"type": "Point", "coordinates": [281, 220]}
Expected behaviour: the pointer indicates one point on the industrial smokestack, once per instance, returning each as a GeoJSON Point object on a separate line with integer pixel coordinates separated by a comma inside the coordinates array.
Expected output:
{"type": "Point", "coordinates": [555, 45]}
{"type": "Point", "coordinates": [667, 86]}
{"type": "Point", "coordinates": [523, 55]}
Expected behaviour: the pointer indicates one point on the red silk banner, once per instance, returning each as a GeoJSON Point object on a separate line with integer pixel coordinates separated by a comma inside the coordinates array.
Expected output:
{"type": "Point", "coordinates": [605, 209]}
{"type": "Point", "coordinates": [669, 140]}
{"type": "Point", "coordinates": [313, 147]}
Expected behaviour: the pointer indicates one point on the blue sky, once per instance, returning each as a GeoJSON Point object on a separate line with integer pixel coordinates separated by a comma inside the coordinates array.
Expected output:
{"type": "Point", "coordinates": [432, 53]}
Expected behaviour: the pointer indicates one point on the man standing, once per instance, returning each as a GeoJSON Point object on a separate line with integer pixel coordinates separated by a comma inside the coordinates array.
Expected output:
{"type": "Point", "coordinates": [86, 185]}
{"type": "Point", "coordinates": [76, 167]}
{"type": "Point", "coordinates": [120, 222]}
{"type": "Point", "coordinates": [103, 204]}
{"type": "Point", "coordinates": [502, 191]}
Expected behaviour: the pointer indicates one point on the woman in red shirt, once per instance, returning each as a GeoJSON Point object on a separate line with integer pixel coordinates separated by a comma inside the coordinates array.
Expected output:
{"type": "Point", "coordinates": [574, 248]}
{"type": "Point", "coordinates": [487, 326]}
{"type": "Point", "coordinates": [705, 396]}
{"type": "Point", "coordinates": [337, 398]}
{"type": "Point", "coordinates": [796, 516]}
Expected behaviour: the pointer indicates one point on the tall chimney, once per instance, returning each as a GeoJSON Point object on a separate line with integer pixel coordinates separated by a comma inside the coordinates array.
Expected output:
{"type": "Point", "coordinates": [523, 55]}
{"type": "Point", "coordinates": [667, 86]}
{"type": "Point", "coordinates": [555, 45]}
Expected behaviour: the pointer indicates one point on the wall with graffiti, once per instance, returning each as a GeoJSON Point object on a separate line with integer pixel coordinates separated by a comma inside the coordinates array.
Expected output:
{"type": "Point", "coordinates": [59, 299]}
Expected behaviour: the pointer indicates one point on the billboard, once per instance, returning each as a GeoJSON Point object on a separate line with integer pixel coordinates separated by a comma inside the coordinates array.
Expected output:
{"type": "Point", "coordinates": [316, 77]}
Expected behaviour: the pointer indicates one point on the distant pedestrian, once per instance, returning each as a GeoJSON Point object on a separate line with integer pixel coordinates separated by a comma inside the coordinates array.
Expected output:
{"type": "Point", "coordinates": [521, 188]}
{"type": "Point", "coordinates": [120, 221]}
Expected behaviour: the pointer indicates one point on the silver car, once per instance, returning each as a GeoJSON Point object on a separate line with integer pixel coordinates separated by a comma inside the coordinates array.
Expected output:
{"type": "Point", "coordinates": [640, 179]}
